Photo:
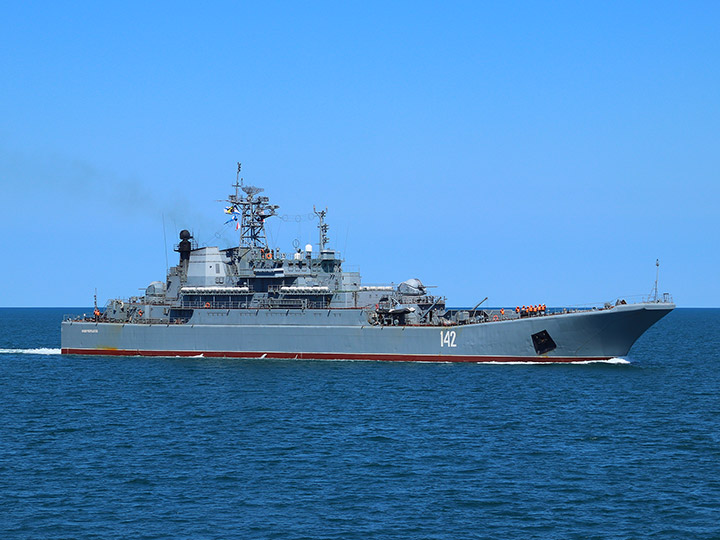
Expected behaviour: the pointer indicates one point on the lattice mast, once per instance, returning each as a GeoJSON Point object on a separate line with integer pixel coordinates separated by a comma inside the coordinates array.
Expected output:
{"type": "Point", "coordinates": [322, 228]}
{"type": "Point", "coordinates": [252, 210]}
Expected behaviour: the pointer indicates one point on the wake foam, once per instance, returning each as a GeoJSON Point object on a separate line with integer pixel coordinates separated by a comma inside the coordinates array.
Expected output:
{"type": "Point", "coordinates": [30, 351]}
{"type": "Point", "coordinates": [608, 361]}
{"type": "Point", "coordinates": [622, 361]}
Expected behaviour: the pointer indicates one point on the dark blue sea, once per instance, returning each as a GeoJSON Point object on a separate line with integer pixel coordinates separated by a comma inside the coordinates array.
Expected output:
{"type": "Point", "coordinates": [156, 448]}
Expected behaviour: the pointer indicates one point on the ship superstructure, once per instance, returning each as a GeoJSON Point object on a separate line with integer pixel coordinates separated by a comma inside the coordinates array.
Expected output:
{"type": "Point", "coordinates": [254, 300]}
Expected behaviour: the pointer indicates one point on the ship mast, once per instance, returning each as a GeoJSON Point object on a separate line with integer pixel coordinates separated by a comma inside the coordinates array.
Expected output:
{"type": "Point", "coordinates": [238, 180]}
{"type": "Point", "coordinates": [322, 228]}
{"type": "Point", "coordinates": [253, 211]}
{"type": "Point", "coordinates": [657, 274]}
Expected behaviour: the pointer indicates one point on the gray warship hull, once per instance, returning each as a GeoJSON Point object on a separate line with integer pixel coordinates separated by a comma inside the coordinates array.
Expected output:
{"type": "Point", "coordinates": [345, 334]}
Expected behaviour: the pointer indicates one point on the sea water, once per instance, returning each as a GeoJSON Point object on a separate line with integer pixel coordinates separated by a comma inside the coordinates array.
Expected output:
{"type": "Point", "coordinates": [155, 448]}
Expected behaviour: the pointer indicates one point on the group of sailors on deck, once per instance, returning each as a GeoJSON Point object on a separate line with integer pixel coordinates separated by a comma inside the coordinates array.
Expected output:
{"type": "Point", "coordinates": [531, 311]}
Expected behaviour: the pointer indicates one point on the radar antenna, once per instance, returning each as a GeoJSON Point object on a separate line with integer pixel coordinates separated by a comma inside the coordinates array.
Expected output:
{"type": "Point", "coordinates": [252, 211]}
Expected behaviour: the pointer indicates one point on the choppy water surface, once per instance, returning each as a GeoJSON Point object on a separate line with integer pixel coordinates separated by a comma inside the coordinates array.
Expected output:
{"type": "Point", "coordinates": [97, 447]}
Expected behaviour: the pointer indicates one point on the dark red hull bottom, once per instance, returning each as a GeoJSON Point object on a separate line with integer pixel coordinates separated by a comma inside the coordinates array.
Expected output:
{"type": "Point", "coordinates": [336, 356]}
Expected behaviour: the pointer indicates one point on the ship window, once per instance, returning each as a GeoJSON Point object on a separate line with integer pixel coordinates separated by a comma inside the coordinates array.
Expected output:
{"type": "Point", "coordinates": [217, 268]}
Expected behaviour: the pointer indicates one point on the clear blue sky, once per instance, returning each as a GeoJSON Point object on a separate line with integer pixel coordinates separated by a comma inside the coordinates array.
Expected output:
{"type": "Point", "coordinates": [529, 152]}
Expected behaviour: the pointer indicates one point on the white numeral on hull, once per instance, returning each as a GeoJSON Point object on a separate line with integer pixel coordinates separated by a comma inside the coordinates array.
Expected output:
{"type": "Point", "coordinates": [447, 338]}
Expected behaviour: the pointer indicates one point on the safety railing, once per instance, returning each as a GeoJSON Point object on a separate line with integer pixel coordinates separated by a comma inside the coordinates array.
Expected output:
{"type": "Point", "coordinates": [263, 303]}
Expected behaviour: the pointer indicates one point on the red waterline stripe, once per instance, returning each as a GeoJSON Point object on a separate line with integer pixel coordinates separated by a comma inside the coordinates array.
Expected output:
{"type": "Point", "coordinates": [336, 356]}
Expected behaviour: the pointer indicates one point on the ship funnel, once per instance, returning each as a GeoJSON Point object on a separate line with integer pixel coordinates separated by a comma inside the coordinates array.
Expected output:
{"type": "Point", "coordinates": [184, 247]}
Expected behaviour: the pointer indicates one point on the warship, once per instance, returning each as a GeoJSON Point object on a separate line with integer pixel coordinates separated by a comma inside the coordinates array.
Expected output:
{"type": "Point", "coordinates": [255, 301]}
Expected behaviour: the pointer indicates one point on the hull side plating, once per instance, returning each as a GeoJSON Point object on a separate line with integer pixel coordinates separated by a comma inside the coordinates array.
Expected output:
{"type": "Point", "coordinates": [592, 335]}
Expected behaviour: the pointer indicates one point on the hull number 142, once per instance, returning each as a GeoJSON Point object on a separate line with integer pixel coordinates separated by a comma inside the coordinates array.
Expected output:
{"type": "Point", "coordinates": [447, 338]}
